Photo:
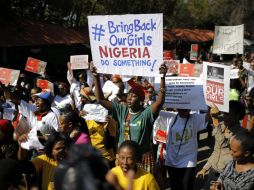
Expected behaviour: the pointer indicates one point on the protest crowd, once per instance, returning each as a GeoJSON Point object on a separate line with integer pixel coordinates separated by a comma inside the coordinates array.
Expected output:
{"type": "Point", "coordinates": [94, 131]}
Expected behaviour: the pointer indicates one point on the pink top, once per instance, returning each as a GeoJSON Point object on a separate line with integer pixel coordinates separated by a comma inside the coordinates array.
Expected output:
{"type": "Point", "coordinates": [83, 139]}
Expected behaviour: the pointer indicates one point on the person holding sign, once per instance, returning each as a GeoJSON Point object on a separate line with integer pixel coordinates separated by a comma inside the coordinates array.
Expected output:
{"type": "Point", "coordinates": [181, 142]}
{"type": "Point", "coordinates": [135, 123]}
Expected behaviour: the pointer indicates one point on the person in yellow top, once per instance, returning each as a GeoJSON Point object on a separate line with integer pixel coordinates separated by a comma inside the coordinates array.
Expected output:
{"type": "Point", "coordinates": [55, 150]}
{"type": "Point", "coordinates": [128, 155]}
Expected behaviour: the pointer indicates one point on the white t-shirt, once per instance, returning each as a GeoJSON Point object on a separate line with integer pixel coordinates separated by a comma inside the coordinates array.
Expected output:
{"type": "Point", "coordinates": [49, 120]}
{"type": "Point", "coordinates": [60, 102]}
{"type": "Point", "coordinates": [187, 155]}
{"type": "Point", "coordinates": [48, 123]}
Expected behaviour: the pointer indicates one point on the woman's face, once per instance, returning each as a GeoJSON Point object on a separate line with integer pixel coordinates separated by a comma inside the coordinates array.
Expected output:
{"type": "Point", "coordinates": [126, 159]}
{"type": "Point", "coordinates": [132, 100]}
{"type": "Point", "coordinates": [236, 150]}
{"type": "Point", "coordinates": [59, 151]}
{"type": "Point", "coordinates": [63, 127]}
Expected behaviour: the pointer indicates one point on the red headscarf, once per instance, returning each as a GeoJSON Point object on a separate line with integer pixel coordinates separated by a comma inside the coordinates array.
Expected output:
{"type": "Point", "coordinates": [137, 89]}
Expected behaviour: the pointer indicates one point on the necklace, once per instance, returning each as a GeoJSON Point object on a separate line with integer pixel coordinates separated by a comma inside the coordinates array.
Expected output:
{"type": "Point", "coordinates": [134, 113]}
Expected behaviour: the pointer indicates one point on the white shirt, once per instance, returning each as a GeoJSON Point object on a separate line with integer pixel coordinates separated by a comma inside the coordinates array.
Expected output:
{"type": "Point", "coordinates": [187, 155]}
{"type": "Point", "coordinates": [48, 123]}
{"type": "Point", "coordinates": [60, 102]}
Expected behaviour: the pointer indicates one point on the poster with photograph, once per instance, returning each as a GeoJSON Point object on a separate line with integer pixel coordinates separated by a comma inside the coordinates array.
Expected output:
{"type": "Point", "coordinates": [35, 66]}
{"type": "Point", "coordinates": [172, 66]}
{"type": "Point", "coordinates": [9, 76]}
{"type": "Point", "coordinates": [194, 52]}
{"type": "Point", "coordinates": [79, 62]}
{"type": "Point", "coordinates": [216, 85]}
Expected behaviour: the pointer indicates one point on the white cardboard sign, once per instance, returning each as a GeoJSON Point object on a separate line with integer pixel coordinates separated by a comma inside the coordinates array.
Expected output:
{"type": "Point", "coordinates": [228, 39]}
{"type": "Point", "coordinates": [127, 44]}
{"type": "Point", "coordinates": [79, 62]}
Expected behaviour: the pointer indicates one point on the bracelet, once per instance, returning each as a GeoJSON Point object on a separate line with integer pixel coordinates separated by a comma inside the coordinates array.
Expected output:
{"type": "Point", "coordinates": [162, 90]}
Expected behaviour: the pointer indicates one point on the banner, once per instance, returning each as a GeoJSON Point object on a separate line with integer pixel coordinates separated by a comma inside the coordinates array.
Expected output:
{"type": "Point", "coordinates": [79, 62]}
{"type": "Point", "coordinates": [216, 85]}
{"type": "Point", "coordinates": [228, 39]}
{"type": "Point", "coordinates": [127, 44]}
{"type": "Point", "coordinates": [183, 92]}
{"type": "Point", "coordinates": [35, 66]}
{"type": "Point", "coordinates": [172, 66]}
{"type": "Point", "coordinates": [194, 52]}
{"type": "Point", "coordinates": [186, 70]}
{"type": "Point", "coordinates": [9, 76]}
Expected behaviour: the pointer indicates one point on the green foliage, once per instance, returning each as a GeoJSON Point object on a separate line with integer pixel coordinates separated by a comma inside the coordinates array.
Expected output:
{"type": "Point", "coordinates": [73, 13]}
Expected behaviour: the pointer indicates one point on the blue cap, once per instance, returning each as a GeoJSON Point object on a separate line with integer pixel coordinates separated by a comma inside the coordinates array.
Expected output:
{"type": "Point", "coordinates": [45, 94]}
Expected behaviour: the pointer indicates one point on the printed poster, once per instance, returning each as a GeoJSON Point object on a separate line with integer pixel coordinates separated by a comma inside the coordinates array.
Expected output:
{"type": "Point", "coordinates": [228, 39]}
{"type": "Point", "coordinates": [23, 126]}
{"type": "Point", "coordinates": [79, 62]}
{"type": "Point", "coordinates": [35, 66]}
{"type": "Point", "coordinates": [194, 52]}
{"type": "Point", "coordinates": [216, 85]}
{"type": "Point", "coordinates": [127, 44]}
{"type": "Point", "coordinates": [168, 55]}
{"type": "Point", "coordinates": [183, 92]}
{"type": "Point", "coordinates": [172, 66]}
{"type": "Point", "coordinates": [186, 70]}
{"type": "Point", "coordinates": [45, 84]}
{"type": "Point", "coordinates": [9, 76]}
{"type": "Point", "coordinates": [198, 70]}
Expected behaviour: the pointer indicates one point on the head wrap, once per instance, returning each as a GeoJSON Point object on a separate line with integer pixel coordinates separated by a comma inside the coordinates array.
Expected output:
{"type": "Point", "coordinates": [137, 89]}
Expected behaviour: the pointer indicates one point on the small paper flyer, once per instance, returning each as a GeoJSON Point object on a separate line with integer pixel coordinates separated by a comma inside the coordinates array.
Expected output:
{"type": "Point", "coordinates": [45, 84]}
{"type": "Point", "coordinates": [35, 66]}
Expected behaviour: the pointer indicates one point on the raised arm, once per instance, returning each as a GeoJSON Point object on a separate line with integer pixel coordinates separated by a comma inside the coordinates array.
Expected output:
{"type": "Point", "coordinates": [157, 105]}
{"type": "Point", "coordinates": [98, 91]}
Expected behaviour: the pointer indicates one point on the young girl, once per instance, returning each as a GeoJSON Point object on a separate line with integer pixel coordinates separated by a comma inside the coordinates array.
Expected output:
{"type": "Point", "coordinates": [55, 150]}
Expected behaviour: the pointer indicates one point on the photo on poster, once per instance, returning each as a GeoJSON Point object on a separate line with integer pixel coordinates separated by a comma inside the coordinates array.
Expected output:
{"type": "Point", "coordinates": [215, 73]}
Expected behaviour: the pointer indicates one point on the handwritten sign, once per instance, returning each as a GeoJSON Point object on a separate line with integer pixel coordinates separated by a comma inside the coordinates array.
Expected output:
{"type": "Point", "coordinates": [79, 62]}
{"type": "Point", "coordinates": [194, 52]}
{"type": "Point", "coordinates": [186, 70]}
{"type": "Point", "coordinates": [127, 44]}
{"type": "Point", "coordinates": [9, 76]}
{"type": "Point", "coordinates": [228, 39]}
{"type": "Point", "coordinates": [172, 66]}
{"type": "Point", "coordinates": [183, 92]}
{"type": "Point", "coordinates": [35, 66]}
{"type": "Point", "coordinates": [216, 85]}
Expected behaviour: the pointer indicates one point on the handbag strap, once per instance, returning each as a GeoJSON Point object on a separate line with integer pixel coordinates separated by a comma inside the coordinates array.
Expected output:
{"type": "Point", "coordinates": [127, 135]}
